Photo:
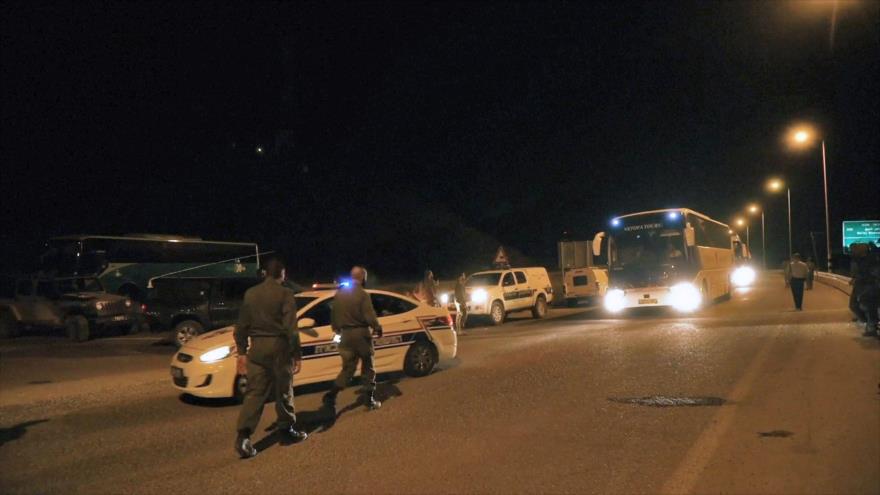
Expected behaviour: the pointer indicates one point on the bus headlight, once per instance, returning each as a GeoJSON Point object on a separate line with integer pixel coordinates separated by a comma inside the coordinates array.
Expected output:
{"type": "Point", "coordinates": [444, 299]}
{"type": "Point", "coordinates": [479, 296]}
{"type": "Point", "coordinates": [614, 300]}
{"type": "Point", "coordinates": [685, 297]}
{"type": "Point", "coordinates": [743, 276]}
{"type": "Point", "coordinates": [215, 354]}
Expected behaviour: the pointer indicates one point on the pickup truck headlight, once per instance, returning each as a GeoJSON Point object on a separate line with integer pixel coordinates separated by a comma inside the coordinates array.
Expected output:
{"type": "Point", "coordinates": [479, 296]}
{"type": "Point", "coordinates": [444, 298]}
{"type": "Point", "coordinates": [99, 305]}
{"type": "Point", "coordinates": [216, 354]}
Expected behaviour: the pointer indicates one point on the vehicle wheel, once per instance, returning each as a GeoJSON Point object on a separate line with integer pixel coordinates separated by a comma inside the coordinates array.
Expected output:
{"type": "Point", "coordinates": [497, 314]}
{"type": "Point", "coordinates": [571, 303]}
{"type": "Point", "coordinates": [420, 359]}
{"type": "Point", "coordinates": [239, 387]}
{"type": "Point", "coordinates": [186, 330]}
{"type": "Point", "coordinates": [77, 327]}
{"type": "Point", "coordinates": [8, 326]}
{"type": "Point", "coordinates": [539, 310]}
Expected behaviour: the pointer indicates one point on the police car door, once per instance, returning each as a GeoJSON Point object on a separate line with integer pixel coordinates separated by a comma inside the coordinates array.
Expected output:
{"type": "Point", "coordinates": [321, 360]}
{"type": "Point", "coordinates": [509, 291]}
{"type": "Point", "coordinates": [523, 290]}
{"type": "Point", "coordinates": [400, 327]}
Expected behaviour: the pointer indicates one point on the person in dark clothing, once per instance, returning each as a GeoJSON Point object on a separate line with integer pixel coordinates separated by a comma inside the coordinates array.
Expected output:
{"type": "Point", "coordinates": [799, 272]}
{"type": "Point", "coordinates": [811, 266]}
{"type": "Point", "coordinates": [352, 318]}
{"type": "Point", "coordinates": [269, 354]}
{"type": "Point", "coordinates": [461, 304]}
{"type": "Point", "coordinates": [859, 273]}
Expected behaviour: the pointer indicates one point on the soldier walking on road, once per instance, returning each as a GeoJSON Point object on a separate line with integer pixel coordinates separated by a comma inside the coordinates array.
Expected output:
{"type": "Point", "coordinates": [799, 273]}
{"type": "Point", "coordinates": [461, 311]}
{"type": "Point", "coordinates": [268, 318]}
{"type": "Point", "coordinates": [353, 317]}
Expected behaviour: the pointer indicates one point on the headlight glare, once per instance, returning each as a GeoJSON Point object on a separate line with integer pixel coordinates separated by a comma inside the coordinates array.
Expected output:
{"type": "Point", "coordinates": [615, 300]}
{"type": "Point", "coordinates": [479, 296]}
{"type": "Point", "coordinates": [216, 354]}
{"type": "Point", "coordinates": [685, 297]}
{"type": "Point", "coordinates": [444, 298]}
{"type": "Point", "coordinates": [743, 276]}
{"type": "Point", "coordinates": [99, 305]}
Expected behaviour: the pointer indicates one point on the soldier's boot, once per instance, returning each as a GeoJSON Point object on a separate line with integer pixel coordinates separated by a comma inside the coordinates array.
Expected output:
{"type": "Point", "coordinates": [329, 398]}
{"type": "Point", "coordinates": [244, 447]}
{"type": "Point", "coordinates": [371, 402]}
{"type": "Point", "coordinates": [295, 435]}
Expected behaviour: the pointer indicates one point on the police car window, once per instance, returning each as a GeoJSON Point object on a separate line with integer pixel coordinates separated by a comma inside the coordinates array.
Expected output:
{"type": "Point", "coordinates": [520, 277]}
{"type": "Point", "coordinates": [302, 301]}
{"type": "Point", "coordinates": [24, 288]}
{"type": "Point", "coordinates": [386, 305]}
{"type": "Point", "coordinates": [508, 279]}
{"type": "Point", "coordinates": [45, 288]}
{"type": "Point", "coordinates": [321, 313]}
{"type": "Point", "coordinates": [580, 280]}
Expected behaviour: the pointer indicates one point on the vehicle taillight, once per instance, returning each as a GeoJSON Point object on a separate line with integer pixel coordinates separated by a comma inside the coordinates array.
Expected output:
{"type": "Point", "coordinates": [144, 308]}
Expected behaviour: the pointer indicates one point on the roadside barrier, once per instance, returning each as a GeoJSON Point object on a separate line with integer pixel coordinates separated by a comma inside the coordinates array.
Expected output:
{"type": "Point", "coordinates": [839, 282]}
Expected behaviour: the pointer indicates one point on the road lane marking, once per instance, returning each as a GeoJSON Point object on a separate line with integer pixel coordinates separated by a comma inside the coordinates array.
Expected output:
{"type": "Point", "coordinates": [698, 456]}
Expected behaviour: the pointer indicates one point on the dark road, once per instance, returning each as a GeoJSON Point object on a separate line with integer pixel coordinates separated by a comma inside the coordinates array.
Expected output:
{"type": "Point", "coordinates": [760, 399]}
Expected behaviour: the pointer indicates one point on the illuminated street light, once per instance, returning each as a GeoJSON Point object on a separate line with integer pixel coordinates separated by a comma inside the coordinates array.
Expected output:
{"type": "Point", "coordinates": [776, 185]}
{"type": "Point", "coordinates": [803, 136]}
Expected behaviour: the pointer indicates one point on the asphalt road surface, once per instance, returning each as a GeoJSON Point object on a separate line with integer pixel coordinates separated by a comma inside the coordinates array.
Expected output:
{"type": "Point", "coordinates": [761, 399]}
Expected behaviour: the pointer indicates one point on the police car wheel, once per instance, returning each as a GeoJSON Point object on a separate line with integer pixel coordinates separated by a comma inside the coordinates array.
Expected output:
{"type": "Point", "coordinates": [239, 387]}
{"type": "Point", "coordinates": [186, 330]}
{"type": "Point", "coordinates": [540, 308]}
{"type": "Point", "coordinates": [420, 359]}
{"type": "Point", "coordinates": [497, 314]}
{"type": "Point", "coordinates": [8, 326]}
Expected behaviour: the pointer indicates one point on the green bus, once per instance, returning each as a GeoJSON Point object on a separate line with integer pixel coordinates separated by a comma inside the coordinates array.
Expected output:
{"type": "Point", "coordinates": [128, 264]}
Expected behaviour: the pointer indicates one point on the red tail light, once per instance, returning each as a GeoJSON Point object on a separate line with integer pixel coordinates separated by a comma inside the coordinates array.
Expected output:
{"type": "Point", "coordinates": [143, 308]}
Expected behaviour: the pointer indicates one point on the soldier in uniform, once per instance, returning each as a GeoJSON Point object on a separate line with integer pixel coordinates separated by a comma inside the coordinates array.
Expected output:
{"type": "Point", "coordinates": [268, 318]}
{"type": "Point", "coordinates": [353, 317]}
{"type": "Point", "coordinates": [461, 304]}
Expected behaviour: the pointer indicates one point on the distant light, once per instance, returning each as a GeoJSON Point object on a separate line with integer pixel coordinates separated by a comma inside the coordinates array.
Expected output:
{"type": "Point", "coordinates": [754, 208]}
{"type": "Point", "coordinates": [259, 150]}
{"type": "Point", "coordinates": [173, 240]}
{"type": "Point", "coordinates": [801, 136]}
{"type": "Point", "coordinates": [775, 185]}
{"type": "Point", "coordinates": [615, 222]}
{"type": "Point", "coordinates": [740, 222]}
{"type": "Point", "coordinates": [729, 231]}
{"type": "Point", "coordinates": [672, 215]}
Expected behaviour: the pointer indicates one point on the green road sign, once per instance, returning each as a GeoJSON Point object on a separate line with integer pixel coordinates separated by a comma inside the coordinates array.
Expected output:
{"type": "Point", "coordinates": [861, 231]}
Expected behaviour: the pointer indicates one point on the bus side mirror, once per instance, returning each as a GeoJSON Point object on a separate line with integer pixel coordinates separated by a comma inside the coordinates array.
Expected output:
{"type": "Point", "coordinates": [689, 237]}
{"type": "Point", "coordinates": [597, 244]}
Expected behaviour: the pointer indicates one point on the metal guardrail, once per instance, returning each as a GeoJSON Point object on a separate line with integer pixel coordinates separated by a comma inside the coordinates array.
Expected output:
{"type": "Point", "coordinates": [839, 282]}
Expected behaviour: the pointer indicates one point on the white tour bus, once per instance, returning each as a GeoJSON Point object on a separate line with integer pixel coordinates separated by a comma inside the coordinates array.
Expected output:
{"type": "Point", "coordinates": [675, 257]}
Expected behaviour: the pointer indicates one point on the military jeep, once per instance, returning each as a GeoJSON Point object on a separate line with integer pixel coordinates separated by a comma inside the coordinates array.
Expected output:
{"type": "Point", "coordinates": [79, 305]}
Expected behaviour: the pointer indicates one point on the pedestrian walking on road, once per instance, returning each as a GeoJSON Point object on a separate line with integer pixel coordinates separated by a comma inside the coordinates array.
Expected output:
{"type": "Point", "coordinates": [812, 268]}
{"type": "Point", "coordinates": [860, 276]}
{"type": "Point", "coordinates": [786, 272]}
{"type": "Point", "coordinates": [461, 311]}
{"type": "Point", "coordinates": [799, 273]}
{"type": "Point", "coordinates": [354, 320]}
{"type": "Point", "coordinates": [269, 354]}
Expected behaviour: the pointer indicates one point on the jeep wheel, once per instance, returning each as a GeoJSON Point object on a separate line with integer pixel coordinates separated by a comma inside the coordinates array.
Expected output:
{"type": "Point", "coordinates": [497, 314]}
{"type": "Point", "coordinates": [8, 326]}
{"type": "Point", "coordinates": [540, 309]}
{"type": "Point", "coordinates": [186, 330]}
{"type": "Point", "coordinates": [77, 327]}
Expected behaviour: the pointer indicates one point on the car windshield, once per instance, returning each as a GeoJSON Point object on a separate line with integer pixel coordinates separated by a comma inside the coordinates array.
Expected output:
{"type": "Point", "coordinates": [303, 301]}
{"type": "Point", "coordinates": [483, 280]}
{"type": "Point", "coordinates": [70, 285]}
{"type": "Point", "coordinates": [649, 248]}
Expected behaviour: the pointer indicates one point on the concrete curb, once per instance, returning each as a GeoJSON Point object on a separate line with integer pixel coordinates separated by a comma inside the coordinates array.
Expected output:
{"type": "Point", "coordinates": [839, 282]}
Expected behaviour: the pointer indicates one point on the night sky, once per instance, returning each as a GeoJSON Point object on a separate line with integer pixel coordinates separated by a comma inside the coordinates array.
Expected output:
{"type": "Point", "coordinates": [406, 136]}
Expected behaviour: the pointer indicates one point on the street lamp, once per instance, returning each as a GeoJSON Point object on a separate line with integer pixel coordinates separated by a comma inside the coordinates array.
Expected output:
{"type": "Point", "coordinates": [753, 210]}
{"type": "Point", "coordinates": [776, 185]}
{"type": "Point", "coordinates": [803, 136]}
{"type": "Point", "coordinates": [739, 223]}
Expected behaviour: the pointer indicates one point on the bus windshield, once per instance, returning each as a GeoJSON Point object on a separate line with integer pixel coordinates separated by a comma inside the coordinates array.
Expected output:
{"type": "Point", "coordinates": [649, 248]}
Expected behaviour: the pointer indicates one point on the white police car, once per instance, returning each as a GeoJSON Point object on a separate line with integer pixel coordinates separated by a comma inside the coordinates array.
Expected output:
{"type": "Point", "coordinates": [416, 338]}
